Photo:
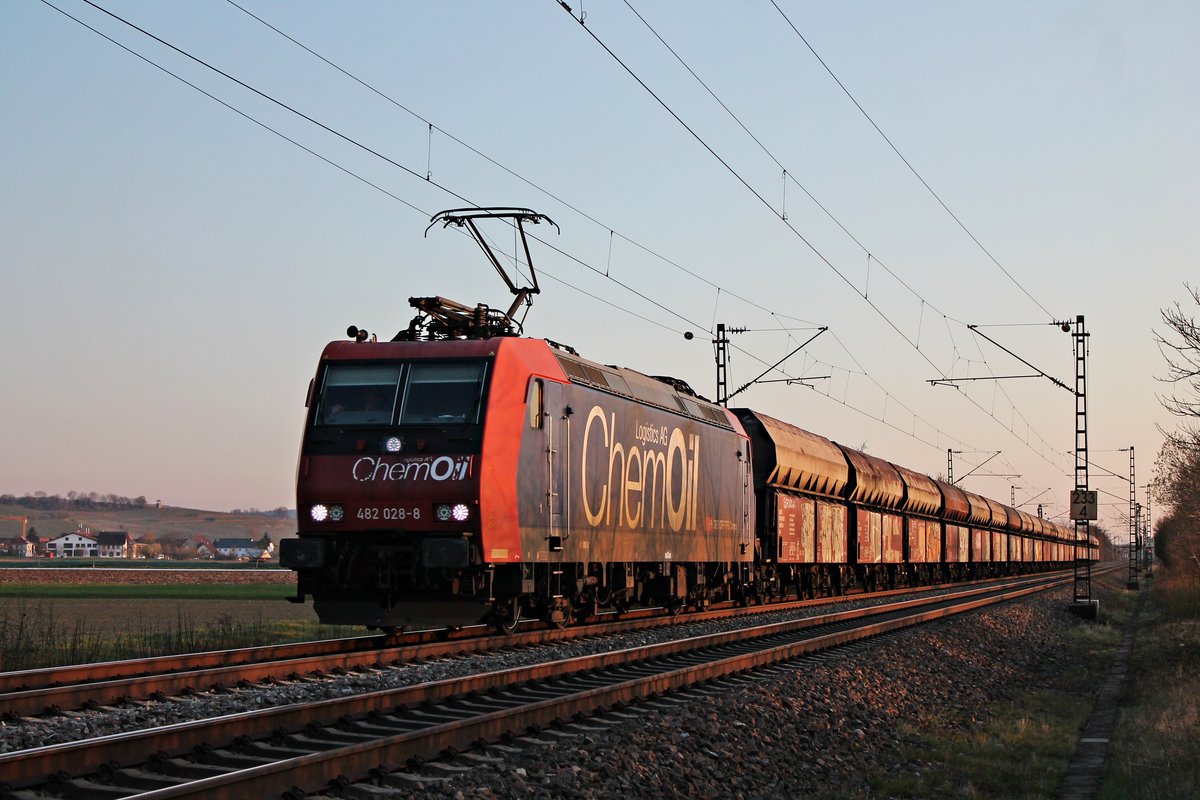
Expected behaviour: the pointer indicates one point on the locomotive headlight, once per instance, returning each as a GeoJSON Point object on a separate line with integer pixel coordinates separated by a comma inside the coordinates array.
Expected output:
{"type": "Point", "coordinates": [459, 512]}
{"type": "Point", "coordinates": [392, 445]}
{"type": "Point", "coordinates": [331, 513]}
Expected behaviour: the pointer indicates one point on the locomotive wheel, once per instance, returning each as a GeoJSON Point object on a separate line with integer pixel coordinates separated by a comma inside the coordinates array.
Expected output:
{"type": "Point", "coordinates": [564, 619]}
{"type": "Point", "coordinates": [508, 616]}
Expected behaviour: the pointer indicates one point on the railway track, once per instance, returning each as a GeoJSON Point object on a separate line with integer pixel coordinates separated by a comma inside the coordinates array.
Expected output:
{"type": "Point", "coordinates": [267, 752]}
{"type": "Point", "coordinates": [55, 689]}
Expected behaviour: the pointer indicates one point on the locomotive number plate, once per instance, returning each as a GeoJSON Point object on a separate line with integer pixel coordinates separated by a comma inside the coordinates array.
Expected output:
{"type": "Point", "coordinates": [389, 513]}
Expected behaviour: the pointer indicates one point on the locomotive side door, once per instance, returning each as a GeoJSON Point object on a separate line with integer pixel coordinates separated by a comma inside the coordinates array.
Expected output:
{"type": "Point", "coordinates": [745, 524]}
{"type": "Point", "coordinates": [556, 433]}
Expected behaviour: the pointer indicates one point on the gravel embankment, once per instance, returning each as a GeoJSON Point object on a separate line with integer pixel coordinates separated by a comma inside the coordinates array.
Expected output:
{"type": "Point", "coordinates": [818, 730]}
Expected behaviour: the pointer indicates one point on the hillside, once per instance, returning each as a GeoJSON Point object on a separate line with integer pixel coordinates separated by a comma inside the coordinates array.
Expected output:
{"type": "Point", "coordinates": [165, 521]}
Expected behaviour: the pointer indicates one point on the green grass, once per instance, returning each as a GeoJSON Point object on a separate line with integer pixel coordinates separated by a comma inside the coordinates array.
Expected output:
{"type": "Point", "coordinates": [32, 635]}
{"type": "Point", "coordinates": [1021, 747]}
{"type": "Point", "coordinates": [1155, 753]}
{"type": "Point", "coordinates": [1020, 750]}
{"type": "Point", "coordinates": [148, 591]}
{"type": "Point", "coordinates": [1015, 748]}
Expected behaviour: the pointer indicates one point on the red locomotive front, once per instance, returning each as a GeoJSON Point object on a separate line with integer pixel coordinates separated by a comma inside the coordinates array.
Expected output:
{"type": "Point", "coordinates": [397, 469]}
{"type": "Point", "coordinates": [462, 481]}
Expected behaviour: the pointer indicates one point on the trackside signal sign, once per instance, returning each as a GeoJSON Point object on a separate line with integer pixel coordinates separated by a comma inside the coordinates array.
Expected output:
{"type": "Point", "coordinates": [1084, 504]}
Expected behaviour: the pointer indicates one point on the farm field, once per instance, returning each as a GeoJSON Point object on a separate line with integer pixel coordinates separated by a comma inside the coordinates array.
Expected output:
{"type": "Point", "coordinates": [51, 616]}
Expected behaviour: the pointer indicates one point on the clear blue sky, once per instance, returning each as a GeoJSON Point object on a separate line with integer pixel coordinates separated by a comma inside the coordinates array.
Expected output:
{"type": "Point", "coordinates": [171, 269]}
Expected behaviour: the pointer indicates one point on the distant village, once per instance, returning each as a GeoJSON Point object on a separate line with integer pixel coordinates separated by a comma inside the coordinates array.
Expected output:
{"type": "Point", "coordinates": [117, 544]}
{"type": "Point", "coordinates": [83, 543]}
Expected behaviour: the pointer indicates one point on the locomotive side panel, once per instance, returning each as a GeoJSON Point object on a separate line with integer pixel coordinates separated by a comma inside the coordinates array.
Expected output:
{"type": "Point", "coordinates": [622, 481]}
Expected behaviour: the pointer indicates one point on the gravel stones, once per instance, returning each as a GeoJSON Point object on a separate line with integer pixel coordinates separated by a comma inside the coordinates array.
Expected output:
{"type": "Point", "coordinates": [815, 728]}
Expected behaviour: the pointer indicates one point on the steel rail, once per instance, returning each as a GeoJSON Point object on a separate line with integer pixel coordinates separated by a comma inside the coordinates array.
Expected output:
{"type": "Point", "coordinates": [114, 682]}
{"type": "Point", "coordinates": [28, 767]}
{"type": "Point", "coordinates": [315, 770]}
{"type": "Point", "coordinates": [22, 680]}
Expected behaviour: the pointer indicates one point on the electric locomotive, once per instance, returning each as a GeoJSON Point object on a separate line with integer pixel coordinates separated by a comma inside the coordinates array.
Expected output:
{"type": "Point", "coordinates": [461, 474]}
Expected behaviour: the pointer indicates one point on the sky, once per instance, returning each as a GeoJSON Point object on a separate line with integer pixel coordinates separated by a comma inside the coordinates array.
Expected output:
{"type": "Point", "coordinates": [173, 264]}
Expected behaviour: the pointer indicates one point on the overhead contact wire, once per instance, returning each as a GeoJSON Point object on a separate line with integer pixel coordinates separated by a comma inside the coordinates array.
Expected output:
{"type": "Point", "coordinates": [783, 218]}
{"type": "Point", "coordinates": [434, 127]}
{"type": "Point", "coordinates": [911, 168]}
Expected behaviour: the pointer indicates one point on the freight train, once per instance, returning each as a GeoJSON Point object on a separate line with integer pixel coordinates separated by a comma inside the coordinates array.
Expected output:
{"type": "Point", "coordinates": [463, 474]}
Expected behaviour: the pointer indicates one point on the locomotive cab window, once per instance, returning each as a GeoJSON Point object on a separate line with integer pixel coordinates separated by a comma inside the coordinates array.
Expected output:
{"type": "Point", "coordinates": [535, 402]}
{"type": "Point", "coordinates": [443, 393]}
{"type": "Point", "coordinates": [359, 395]}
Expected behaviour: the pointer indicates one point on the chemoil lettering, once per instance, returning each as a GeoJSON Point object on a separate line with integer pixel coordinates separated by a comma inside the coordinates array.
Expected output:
{"type": "Point", "coordinates": [650, 487]}
{"type": "Point", "coordinates": [440, 468]}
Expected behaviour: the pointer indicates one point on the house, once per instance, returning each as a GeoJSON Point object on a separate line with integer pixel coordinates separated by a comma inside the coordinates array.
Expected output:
{"type": "Point", "coordinates": [175, 545]}
{"type": "Point", "coordinates": [75, 544]}
{"type": "Point", "coordinates": [114, 544]}
{"type": "Point", "coordinates": [244, 548]}
{"type": "Point", "coordinates": [16, 547]}
{"type": "Point", "coordinates": [204, 546]}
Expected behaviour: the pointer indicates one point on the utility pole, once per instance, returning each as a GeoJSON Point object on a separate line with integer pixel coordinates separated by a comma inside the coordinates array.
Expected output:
{"type": "Point", "coordinates": [1149, 536]}
{"type": "Point", "coordinates": [1084, 506]}
{"type": "Point", "coordinates": [1084, 605]}
{"type": "Point", "coordinates": [1135, 539]}
{"type": "Point", "coordinates": [721, 343]}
